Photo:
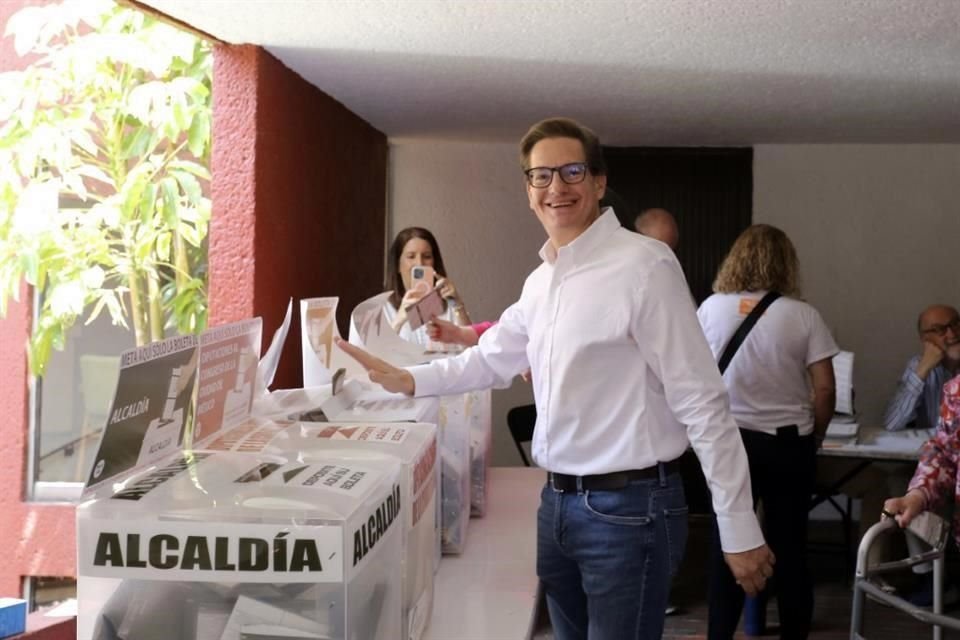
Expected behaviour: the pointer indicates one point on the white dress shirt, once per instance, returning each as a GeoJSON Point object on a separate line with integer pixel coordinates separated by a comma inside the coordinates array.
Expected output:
{"type": "Point", "coordinates": [619, 365]}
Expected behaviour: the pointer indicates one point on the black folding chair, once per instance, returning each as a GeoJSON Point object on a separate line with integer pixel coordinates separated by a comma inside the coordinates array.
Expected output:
{"type": "Point", "coordinates": [521, 421]}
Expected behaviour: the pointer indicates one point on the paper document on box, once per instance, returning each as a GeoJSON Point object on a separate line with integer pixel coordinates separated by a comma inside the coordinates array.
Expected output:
{"type": "Point", "coordinates": [360, 401]}
{"type": "Point", "coordinates": [843, 374]}
{"type": "Point", "coordinates": [369, 329]}
{"type": "Point", "coordinates": [268, 363]}
{"type": "Point", "coordinates": [318, 324]}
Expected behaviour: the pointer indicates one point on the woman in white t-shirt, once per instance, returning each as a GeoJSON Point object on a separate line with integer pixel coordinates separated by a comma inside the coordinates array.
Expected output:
{"type": "Point", "coordinates": [416, 247]}
{"type": "Point", "coordinates": [781, 390]}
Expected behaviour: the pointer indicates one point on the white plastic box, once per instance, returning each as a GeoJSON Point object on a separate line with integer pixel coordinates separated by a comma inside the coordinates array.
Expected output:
{"type": "Point", "coordinates": [414, 445]}
{"type": "Point", "coordinates": [454, 424]}
{"type": "Point", "coordinates": [481, 448]}
{"type": "Point", "coordinates": [226, 546]}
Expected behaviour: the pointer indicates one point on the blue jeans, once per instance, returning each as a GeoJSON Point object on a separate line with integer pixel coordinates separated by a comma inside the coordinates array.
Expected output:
{"type": "Point", "coordinates": [606, 558]}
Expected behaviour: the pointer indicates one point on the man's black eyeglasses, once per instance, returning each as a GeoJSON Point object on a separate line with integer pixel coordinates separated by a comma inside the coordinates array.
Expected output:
{"type": "Point", "coordinates": [941, 329]}
{"type": "Point", "coordinates": [541, 177]}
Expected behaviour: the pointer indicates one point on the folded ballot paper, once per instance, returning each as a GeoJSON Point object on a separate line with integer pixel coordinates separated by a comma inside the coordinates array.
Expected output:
{"type": "Point", "coordinates": [355, 401]}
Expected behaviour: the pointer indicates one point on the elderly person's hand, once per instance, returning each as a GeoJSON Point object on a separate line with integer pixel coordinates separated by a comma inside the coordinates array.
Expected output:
{"type": "Point", "coordinates": [391, 378]}
{"type": "Point", "coordinates": [905, 508]}
{"type": "Point", "coordinates": [751, 568]}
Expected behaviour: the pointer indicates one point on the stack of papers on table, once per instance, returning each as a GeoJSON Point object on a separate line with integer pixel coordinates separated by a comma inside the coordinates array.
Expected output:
{"type": "Point", "coordinates": [842, 428]}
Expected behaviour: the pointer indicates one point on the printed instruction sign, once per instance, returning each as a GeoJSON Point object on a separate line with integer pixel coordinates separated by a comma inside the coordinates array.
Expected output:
{"type": "Point", "coordinates": [151, 407]}
{"type": "Point", "coordinates": [228, 367]}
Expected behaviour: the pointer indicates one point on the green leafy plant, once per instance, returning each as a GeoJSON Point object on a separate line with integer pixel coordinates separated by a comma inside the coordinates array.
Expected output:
{"type": "Point", "coordinates": [104, 149]}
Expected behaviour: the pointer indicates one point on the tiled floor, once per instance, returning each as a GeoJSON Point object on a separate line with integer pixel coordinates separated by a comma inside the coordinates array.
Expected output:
{"type": "Point", "coordinates": [833, 598]}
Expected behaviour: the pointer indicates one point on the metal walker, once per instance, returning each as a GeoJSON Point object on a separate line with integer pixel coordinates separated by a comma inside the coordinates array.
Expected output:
{"type": "Point", "coordinates": [931, 529]}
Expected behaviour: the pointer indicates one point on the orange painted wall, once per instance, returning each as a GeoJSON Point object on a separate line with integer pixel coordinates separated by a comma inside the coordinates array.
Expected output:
{"type": "Point", "coordinates": [299, 198]}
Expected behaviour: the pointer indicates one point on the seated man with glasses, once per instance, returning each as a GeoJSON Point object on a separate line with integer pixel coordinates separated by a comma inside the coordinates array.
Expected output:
{"type": "Point", "coordinates": [916, 403]}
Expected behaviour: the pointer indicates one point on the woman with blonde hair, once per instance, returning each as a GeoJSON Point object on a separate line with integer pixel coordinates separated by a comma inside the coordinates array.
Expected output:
{"type": "Point", "coordinates": [781, 387]}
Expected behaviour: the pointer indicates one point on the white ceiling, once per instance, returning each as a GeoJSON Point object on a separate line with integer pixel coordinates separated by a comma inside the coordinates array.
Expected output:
{"type": "Point", "coordinates": [640, 72]}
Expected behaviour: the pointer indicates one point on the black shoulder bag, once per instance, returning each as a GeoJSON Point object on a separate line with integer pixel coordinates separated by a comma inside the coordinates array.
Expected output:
{"type": "Point", "coordinates": [744, 329]}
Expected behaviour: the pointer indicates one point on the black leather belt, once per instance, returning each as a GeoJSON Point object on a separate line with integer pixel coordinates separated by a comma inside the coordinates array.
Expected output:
{"type": "Point", "coordinates": [610, 481]}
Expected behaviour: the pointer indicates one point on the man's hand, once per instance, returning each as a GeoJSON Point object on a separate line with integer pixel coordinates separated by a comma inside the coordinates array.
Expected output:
{"type": "Point", "coordinates": [751, 568]}
{"type": "Point", "coordinates": [383, 373]}
{"type": "Point", "coordinates": [931, 356]}
{"type": "Point", "coordinates": [905, 508]}
{"type": "Point", "coordinates": [442, 331]}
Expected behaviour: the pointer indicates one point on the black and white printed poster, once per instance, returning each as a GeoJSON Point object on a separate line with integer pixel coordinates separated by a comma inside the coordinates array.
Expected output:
{"type": "Point", "coordinates": [152, 406]}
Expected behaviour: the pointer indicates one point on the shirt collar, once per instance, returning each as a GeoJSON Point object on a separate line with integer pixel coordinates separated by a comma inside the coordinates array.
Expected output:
{"type": "Point", "coordinates": [594, 235]}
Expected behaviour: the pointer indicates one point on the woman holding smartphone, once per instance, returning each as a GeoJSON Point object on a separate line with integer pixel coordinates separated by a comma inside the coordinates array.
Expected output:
{"type": "Point", "coordinates": [415, 268]}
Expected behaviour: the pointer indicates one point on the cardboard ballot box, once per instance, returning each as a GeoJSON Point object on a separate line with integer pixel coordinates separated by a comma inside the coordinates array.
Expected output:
{"type": "Point", "coordinates": [413, 445]}
{"type": "Point", "coordinates": [235, 546]}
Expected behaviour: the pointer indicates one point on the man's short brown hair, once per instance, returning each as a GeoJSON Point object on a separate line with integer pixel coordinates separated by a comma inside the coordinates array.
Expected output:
{"type": "Point", "coordinates": [564, 128]}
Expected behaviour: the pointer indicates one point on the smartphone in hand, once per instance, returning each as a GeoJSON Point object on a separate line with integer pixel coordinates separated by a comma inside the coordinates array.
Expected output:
{"type": "Point", "coordinates": [422, 274]}
{"type": "Point", "coordinates": [426, 309]}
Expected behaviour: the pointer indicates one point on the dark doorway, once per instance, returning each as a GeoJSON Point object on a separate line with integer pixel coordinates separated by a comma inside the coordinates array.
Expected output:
{"type": "Point", "coordinates": [708, 190]}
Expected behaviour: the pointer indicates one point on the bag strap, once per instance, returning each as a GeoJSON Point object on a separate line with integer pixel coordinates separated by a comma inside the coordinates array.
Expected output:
{"type": "Point", "coordinates": [745, 328]}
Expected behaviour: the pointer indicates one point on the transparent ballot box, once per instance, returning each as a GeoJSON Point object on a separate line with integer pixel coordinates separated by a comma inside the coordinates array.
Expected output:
{"type": "Point", "coordinates": [226, 546]}
{"type": "Point", "coordinates": [479, 411]}
{"type": "Point", "coordinates": [413, 445]}
{"type": "Point", "coordinates": [454, 426]}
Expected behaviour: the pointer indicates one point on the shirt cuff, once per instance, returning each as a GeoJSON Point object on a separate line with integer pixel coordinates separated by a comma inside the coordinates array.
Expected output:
{"type": "Point", "coordinates": [739, 532]}
{"type": "Point", "coordinates": [426, 380]}
{"type": "Point", "coordinates": [912, 380]}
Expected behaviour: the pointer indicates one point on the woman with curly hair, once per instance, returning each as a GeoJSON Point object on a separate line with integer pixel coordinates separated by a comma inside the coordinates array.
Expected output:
{"type": "Point", "coordinates": [781, 388]}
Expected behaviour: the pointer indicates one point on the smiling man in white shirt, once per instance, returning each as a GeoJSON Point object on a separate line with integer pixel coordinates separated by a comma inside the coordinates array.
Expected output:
{"type": "Point", "coordinates": [619, 366]}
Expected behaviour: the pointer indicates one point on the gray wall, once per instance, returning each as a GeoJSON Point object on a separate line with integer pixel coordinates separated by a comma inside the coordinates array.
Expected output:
{"type": "Point", "coordinates": [471, 197]}
{"type": "Point", "coordinates": [875, 227]}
